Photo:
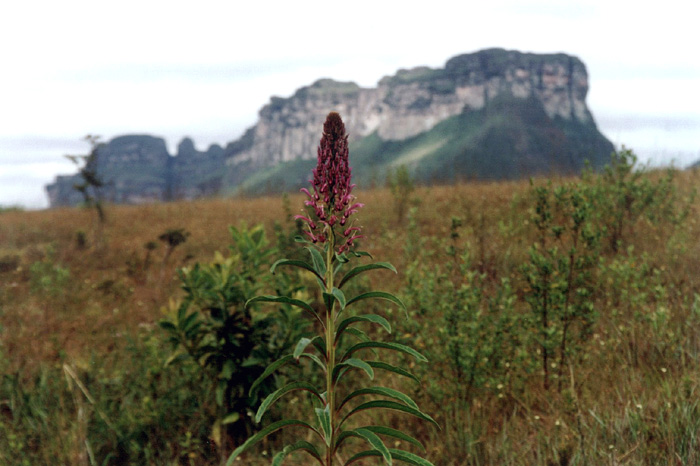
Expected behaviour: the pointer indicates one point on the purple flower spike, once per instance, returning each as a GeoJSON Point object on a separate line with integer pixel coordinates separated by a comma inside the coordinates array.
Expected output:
{"type": "Point", "coordinates": [332, 202]}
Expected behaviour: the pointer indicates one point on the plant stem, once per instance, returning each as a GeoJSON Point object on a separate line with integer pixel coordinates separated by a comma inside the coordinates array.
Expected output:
{"type": "Point", "coordinates": [330, 346]}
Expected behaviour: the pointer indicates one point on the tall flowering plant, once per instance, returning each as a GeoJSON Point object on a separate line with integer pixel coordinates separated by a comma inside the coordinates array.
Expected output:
{"type": "Point", "coordinates": [340, 348]}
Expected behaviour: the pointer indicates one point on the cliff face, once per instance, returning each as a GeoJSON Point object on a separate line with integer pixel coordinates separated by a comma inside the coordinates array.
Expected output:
{"type": "Point", "coordinates": [138, 169]}
{"type": "Point", "coordinates": [490, 114]}
{"type": "Point", "coordinates": [414, 101]}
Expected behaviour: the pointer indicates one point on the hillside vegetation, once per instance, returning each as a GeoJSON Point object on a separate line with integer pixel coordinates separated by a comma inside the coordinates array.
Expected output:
{"type": "Point", "coordinates": [560, 317]}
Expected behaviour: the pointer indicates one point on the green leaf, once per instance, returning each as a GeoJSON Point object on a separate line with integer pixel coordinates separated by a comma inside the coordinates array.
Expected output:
{"type": "Point", "coordinates": [277, 394]}
{"type": "Point", "coordinates": [385, 345]}
{"type": "Point", "coordinates": [353, 362]}
{"type": "Point", "coordinates": [386, 404]}
{"type": "Point", "coordinates": [409, 458]}
{"type": "Point", "coordinates": [301, 346]}
{"type": "Point", "coordinates": [167, 325]}
{"type": "Point", "coordinates": [231, 418]}
{"type": "Point", "coordinates": [340, 297]}
{"type": "Point", "coordinates": [315, 359]}
{"type": "Point", "coordinates": [320, 345]}
{"type": "Point", "coordinates": [324, 418]}
{"type": "Point", "coordinates": [285, 300]}
{"type": "Point", "coordinates": [317, 259]}
{"type": "Point", "coordinates": [297, 263]}
{"type": "Point", "coordinates": [275, 426]}
{"type": "Point", "coordinates": [220, 391]}
{"type": "Point", "coordinates": [397, 434]}
{"type": "Point", "coordinates": [176, 357]}
{"type": "Point", "coordinates": [372, 318]}
{"type": "Point", "coordinates": [270, 369]}
{"type": "Point", "coordinates": [300, 445]}
{"type": "Point", "coordinates": [375, 442]}
{"type": "Point", "coordinates": [360, 335]}
{"type": "Point", "coordinates": [383, 391]}
{"type": "Point", "coordinates": [380, 295]}
{"type": "Point", "coordinates": [189, 321]}
{"type": "Point", "coordinates": [399, 455]}
{"type": "Point", "coordinates": [362, 455]}
{"type": "Point", "coordinates": [364, 268]}
{"type": "Point", "coordinates": [394, 369]}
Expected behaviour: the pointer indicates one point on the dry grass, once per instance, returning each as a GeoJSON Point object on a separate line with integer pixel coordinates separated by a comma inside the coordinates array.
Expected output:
{"type": "Point", "coordinates": [106, 298]}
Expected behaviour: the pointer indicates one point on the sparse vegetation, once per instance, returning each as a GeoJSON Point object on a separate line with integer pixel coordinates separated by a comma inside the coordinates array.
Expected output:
{"type": "Point", "coordinates": [83, 374]}
{"type": "Point", "coordinates": [92, 183]}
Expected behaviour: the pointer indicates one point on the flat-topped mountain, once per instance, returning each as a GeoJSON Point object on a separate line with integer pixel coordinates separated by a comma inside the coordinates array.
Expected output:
{"type": "Point", "coordinates": [492, 114]}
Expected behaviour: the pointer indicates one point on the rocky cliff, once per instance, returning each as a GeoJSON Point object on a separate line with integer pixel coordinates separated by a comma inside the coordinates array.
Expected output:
{"type": "Point", "coordinates": [490, 114]}
{"type": "Point", "coordinates": [414, 101]}
{"type": "Point", "coordinates": [138, 168]}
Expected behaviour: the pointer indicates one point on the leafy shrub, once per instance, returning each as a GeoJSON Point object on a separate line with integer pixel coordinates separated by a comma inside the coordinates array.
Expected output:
{"type": "Point", "coordinates": [626, 193]}
{"type": "Point", "coordinates": [559, 273]}
{"type": "Point", "coordinates": [401, 185]}
{"type": "Point", "coordinates": [230, 343]}
{"type": "Point", "coordinates": [48, 277]}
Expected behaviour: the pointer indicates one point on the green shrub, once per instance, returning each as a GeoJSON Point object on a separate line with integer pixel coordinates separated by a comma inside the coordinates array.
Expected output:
{"type": "Point", "coordinates": [229, 343]}
{"type": "Point", "coordinates": [559, 274]}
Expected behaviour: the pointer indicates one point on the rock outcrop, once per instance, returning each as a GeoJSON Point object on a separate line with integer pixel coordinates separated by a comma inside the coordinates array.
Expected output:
{"type": "Point", "coordinates": [490, 114]}
{"type": "Point", "coordinates": [414, 101]}
{"type": "Point", "coordinates": [138, 168]}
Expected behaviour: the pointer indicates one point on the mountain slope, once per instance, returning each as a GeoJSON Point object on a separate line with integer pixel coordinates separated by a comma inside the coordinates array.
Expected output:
{"type": "Point", "coordinates": [493, 114]}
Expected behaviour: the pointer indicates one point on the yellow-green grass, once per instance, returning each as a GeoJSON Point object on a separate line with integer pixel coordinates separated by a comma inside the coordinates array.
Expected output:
{"type": "Point", "coordinates": [634, 395]}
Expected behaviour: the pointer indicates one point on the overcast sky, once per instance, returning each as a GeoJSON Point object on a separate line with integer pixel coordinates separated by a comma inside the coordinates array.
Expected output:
{"type": "Point", "coordinates": [203, 69]}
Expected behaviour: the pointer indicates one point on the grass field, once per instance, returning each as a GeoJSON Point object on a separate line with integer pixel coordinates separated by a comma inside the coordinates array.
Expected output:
{"type": "Point", "coordinates": [538, 355]}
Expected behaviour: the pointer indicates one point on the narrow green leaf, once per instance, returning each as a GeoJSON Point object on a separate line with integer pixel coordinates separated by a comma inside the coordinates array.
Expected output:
{"type": "Point", "coordinates": [409, 458]}
{"type": "Point", "coordinates": [342, 259]}
{"type": "Point", "coordinates": [353, 362]}
{"type": "Point", "coordinates": [167, 325]}
{"type": "Point", "coordinates": [300, 347]}
{"type": "Point", "coordinates": [320, 345]}
{"type": "Point", "coordinates": [386, 404]}
{"type": "Point", "coordinates": [275, 426]}
{"type": "Point", "coordinates": [379, 295]}
{"type": "Point", "coordinates": [361, 254]}
{"type": "Point", "coordinates": [385, 345]}
{"type": "Point", "coordinates": [182, 311]}
{"type": "Point", "coordinates": [231, 418]}
{"type": "Point", "coordinates": [180, 355]}
{"type": "Point", "coordinates": [397, 434]}
{"type": "Point", "coordinates": [372, 318]}
{"type": "Point", "coordinates": [399, 455]}
{"type": "Point", "coordinates": [324, 418]}
{"type": "Point", "coordinates": [340, 297]}
{"type": "Point", "coordinates": [375, 442]}
{"type": "Point", "coordinates": [285, 300]}
{"type": "Point", "coordinates": [364, 268]}
{"type": "Point", "coordinates": [220, 392]}
{"type": "Point", "coordinates": [277, 394]}
{"type": "Point", "coordinates": [317, 259]}
{"type": "Point", "coordinates": [190, 320]}
{"type": "Point", "coordinates": [296, 263]}
{"type": "Point", "coordinates": [362, 455]}
{"type": "Point", "coordinates": [360, 335]}
{"type": "Point", "coordinates": [300, 445]}
{"type": "Point", "coordinates": [315, 359]}
{"type": "Point", "coordinates": [383, 391]}
{"type": "Point", "coordinates": [269, 370]}
{"type": "Point", "coordinates": [394, 369]}
{"type": "Point", "coordinates": [328, 300]}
